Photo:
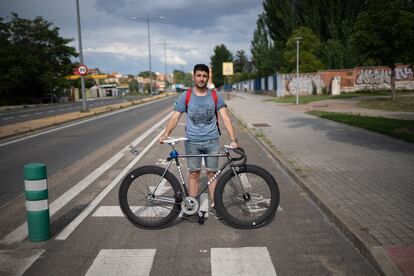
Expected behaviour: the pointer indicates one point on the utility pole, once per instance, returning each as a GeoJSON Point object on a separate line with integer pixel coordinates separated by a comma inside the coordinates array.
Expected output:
{"type": "Point", "coordinates": [298, 39]}
{"type": "Point", "coordinates": [84, 107]}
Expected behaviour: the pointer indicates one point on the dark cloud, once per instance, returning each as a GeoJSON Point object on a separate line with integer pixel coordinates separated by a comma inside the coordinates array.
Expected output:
{"type": "Point", "coordinates": [114, 42]}
{"type": "Point", "coordinates": [186, 13]}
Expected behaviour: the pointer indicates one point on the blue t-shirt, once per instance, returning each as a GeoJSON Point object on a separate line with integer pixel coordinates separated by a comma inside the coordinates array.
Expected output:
{"type": "Point", "coordinates": [201, 118]}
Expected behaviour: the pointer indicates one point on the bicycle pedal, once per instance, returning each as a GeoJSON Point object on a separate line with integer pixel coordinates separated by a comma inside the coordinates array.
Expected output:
{"type": "Point", "coordinates": [201, 217]}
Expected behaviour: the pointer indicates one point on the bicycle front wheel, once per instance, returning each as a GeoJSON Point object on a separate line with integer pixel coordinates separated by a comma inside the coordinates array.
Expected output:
{"type": "Point", "coordinates": [148, 199]}
{"type": "Point", "coordinates": [248, 199]}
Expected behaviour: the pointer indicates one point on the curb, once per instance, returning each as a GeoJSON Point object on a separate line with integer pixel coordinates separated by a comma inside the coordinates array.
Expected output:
{"type": "Point", "coordinates": [353, 231]}
{"type": "Point", "coordinates": [29, 127]}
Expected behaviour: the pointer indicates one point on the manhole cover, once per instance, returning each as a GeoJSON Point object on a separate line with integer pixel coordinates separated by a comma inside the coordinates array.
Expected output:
{"type": "Point", "coordinates": [261, 125]}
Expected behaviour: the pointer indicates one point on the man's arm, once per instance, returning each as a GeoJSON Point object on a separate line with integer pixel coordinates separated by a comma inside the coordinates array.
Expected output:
{"type": "Point", "coordinates": [172, 123]}
{"type": "Point", "coordinates": [229, 127]}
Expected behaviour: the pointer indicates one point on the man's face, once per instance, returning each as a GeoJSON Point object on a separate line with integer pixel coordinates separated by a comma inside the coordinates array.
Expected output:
{"type": "Point", "coordinates": [200, 79]}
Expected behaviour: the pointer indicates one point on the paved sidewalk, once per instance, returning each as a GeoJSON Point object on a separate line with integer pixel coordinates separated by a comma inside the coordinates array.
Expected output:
{"type": "Point", "coordinates": [363, 181]}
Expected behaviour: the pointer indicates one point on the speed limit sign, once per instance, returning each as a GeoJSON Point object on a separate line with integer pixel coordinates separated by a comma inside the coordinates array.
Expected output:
{"type": "Point", "coordinates": [82, 70]}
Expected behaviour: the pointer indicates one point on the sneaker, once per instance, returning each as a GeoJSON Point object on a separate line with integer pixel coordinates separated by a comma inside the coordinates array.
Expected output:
{"type": "Point", "coordinates": [213, 212]}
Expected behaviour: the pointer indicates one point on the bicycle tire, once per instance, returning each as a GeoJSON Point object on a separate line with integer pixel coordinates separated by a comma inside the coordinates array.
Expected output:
{"type": "Point", "coordinates": [253, 209]}
{"type": "Point", "coordinates": [133, 197]}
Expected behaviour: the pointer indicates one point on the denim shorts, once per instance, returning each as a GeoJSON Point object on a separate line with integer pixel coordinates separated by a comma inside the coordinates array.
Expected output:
{"type": "Point", "coordinates": [202, 147]}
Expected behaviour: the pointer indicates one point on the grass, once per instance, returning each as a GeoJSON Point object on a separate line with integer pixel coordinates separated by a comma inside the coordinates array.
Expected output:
{"type": "Point", "coordinates": [313, 98]}
{"type": "Point", "coordinates": [401, 104]}
{"type": "Point", "coordinates": [402, 129]}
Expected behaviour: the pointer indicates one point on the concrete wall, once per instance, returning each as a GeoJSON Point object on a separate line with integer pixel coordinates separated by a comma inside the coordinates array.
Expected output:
{"type": "Point", "coordinates": [356, 79]}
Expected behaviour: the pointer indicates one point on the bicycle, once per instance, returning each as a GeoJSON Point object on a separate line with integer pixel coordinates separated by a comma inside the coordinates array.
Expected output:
{"type": "Point", "coordinates": [246, 196]}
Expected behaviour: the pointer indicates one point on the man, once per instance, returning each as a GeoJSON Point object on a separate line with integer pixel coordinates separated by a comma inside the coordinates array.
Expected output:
{"type": "Point", "coordinates": [201, 128]}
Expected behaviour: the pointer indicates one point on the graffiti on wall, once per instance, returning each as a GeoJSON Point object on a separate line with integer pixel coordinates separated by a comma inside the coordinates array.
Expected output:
{"type": "Point", "coordinates": [381, 76]}
{"type": "Point", "coordinates": [306, 84]}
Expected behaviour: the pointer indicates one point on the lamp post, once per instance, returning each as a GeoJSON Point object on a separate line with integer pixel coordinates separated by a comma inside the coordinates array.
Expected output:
{"type": "Point", "coordinates": [84, 107]}
{"type": "Point", "coordinates": [298, 39]}
{"type": "Point", "coordinates": [165, 62]}
{"type": "Point", "coordinates": [148, 19]}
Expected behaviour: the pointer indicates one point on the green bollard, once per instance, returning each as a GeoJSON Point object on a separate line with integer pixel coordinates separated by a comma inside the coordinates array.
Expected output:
{"type": "Point", "coordinates": [37, 206]}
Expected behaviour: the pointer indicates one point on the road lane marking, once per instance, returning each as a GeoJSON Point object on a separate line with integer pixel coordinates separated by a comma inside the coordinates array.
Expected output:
{"type": "Point", "coordinates": [76, 123]}
{"type": "Point", "coordinates": [122, 262]}
{"type": "Point", "coordinates": [8, 118]}
{"type": "Point", "coordinates": [241, 261]}
{"type": "Point", "coordinates": [16, 262]}
{"type": "Point", "coordinates": [20, 233]}
{"type": "Point", "coordinates": [25, 115]}
{"type": "Point", "coordinates": [78, 220]}
{"type": "Point", "coordinates": [115, 211]}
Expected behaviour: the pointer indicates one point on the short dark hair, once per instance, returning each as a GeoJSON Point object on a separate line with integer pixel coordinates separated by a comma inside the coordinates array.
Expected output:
{"type": "Point", "coordinates": [201, 67]}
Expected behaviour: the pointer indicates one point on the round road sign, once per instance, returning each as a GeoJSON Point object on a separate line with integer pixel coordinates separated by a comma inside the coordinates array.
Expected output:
{"type": "Point", "coordinates": [82, 70]}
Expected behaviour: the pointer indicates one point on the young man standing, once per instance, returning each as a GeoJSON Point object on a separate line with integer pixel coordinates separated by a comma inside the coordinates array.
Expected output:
{"type": "Point", "coordinates": [201, 128]}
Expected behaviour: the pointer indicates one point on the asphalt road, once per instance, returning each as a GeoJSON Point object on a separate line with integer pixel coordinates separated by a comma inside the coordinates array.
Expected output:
{"type": "Point", "coordinates": [45, 110]}
{"type": "Point", "coordinates": [61, 148]}
{"type": "Point", "coordinates": [88, 239]}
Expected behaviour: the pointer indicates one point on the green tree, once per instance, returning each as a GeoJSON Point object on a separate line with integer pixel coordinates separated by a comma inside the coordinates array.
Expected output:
{"type": "Point", "coordinates": [309, 46]}
{"type": "Point", "coordinates": [133, 86]}
{"type": "Point", "coordinates": [34, 60]}
{"type": "Point", "coordinates": [221, 54]}
{"type": "Point", "coordinates": [331, 21]}
{"type": "Point", "coordinates": [264, 54]}
{"type": "Point", "coordinates": [146, 74]}
{"type": "Point", "coordinates": [240, 61]}
{"type": "Point", "coordinates": [384, 35]}
{"type": "Point", "coordinates": [178, 76]}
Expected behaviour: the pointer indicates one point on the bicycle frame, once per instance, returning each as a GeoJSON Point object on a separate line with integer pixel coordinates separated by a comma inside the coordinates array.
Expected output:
{"type": "Point", "coordinates": [174, 156]}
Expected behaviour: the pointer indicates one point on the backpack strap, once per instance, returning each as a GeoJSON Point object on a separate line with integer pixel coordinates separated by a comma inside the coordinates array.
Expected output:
{"type": "Point", "coordinates": [187, 98]}
{"type": "Point", "coordinates": [215, 98]}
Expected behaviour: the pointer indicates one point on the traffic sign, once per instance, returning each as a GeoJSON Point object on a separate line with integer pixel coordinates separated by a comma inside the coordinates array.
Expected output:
{"type": "Point", "coordinates": [82, 70]}
{"type": "Point", "coordinates": [227, 68]}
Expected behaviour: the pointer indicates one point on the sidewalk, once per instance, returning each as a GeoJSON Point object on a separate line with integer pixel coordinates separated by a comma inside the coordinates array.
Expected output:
{"type": "Point", "coordinates": [362, 180]}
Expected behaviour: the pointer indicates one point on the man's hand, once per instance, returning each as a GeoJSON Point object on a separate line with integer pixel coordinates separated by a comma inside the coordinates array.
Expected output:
{"type": "Point", "coordinates": [163, 137]}
{"type": "Point", "coordinates": [234, 144]}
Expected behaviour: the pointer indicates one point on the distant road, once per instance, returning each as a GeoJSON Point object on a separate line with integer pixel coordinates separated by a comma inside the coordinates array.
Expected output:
{"type": "Point", "coordinates": [24, 114]}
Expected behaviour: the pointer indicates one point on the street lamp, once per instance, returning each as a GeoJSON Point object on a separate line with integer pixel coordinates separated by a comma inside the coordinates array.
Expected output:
{"type": "Point", "coordinates": [165, 62]}
{"type": "Point", "coordinates": [84, 107]}
{"type": "Point", "coordinates": [298, 39]}
{"type": "Point", "coordinates": [148, 19]}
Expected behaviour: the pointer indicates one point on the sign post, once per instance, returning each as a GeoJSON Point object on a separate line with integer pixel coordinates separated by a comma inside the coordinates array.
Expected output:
{"type": "Point", "coordinates": [227, 71]}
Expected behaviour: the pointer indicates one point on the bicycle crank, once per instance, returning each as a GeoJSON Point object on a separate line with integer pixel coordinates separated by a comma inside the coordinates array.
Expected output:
{"type": "Point", "coordinates": [189, 205]}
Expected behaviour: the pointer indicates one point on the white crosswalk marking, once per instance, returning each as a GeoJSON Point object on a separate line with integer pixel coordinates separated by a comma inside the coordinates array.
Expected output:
{"type": "Point", "coordinates": [241, 261]}
{"type": "Point", "coordinates": [122, 262]}
{"type": "Point", "coordinates": [147, 211]}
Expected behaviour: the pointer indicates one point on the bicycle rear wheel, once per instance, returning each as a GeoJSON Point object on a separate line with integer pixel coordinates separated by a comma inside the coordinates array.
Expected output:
{"type": "Point", "coordinates": [250, 203]}
{"type": "Point", "coordinates": [144, 210]}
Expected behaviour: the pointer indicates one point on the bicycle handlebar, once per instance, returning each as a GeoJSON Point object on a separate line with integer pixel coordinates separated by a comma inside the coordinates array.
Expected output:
{"type": "Point", "coordinates": [242, 156]}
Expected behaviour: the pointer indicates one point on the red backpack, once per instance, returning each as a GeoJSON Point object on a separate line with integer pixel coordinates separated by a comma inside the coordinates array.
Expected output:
{"type": "Point", "coordinates": [215, 98]}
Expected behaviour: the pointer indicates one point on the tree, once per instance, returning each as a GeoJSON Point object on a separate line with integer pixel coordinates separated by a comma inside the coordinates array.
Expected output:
{"type": "Point", "coordinates": [309, 46]}
{"type": "Point", "coordinates": [146, 74]}
{"type": "Point", "coordinates": [133, 86]}
{"type": "Point", "coordinates": [181, 77]}
{"type": "Point", "coordinates": [240, 61]}
{"type": "Point", "coordinates": [331, 21]}
{"type": "Point", "coordinates": [34, 60]}
{"type": "Point", "coordinates": [221, 54]}
{"type": "Point", "coordinates": [384, 34]}
{"type": "Point", "coordinates": [265, 55]}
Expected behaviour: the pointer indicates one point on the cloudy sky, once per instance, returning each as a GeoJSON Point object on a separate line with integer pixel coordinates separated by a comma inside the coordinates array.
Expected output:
{"type": "Point", "coordinates": [115, 43]}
